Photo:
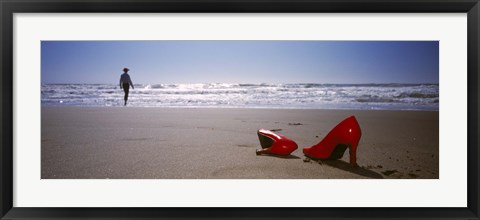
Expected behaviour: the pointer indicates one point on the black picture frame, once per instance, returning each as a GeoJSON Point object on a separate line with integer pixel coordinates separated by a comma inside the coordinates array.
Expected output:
{"type": "Point", "coordinates": [9, 7]}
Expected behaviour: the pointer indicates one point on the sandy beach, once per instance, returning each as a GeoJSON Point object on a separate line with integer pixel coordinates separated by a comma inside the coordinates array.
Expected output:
{"type": "Point", "coordinates": [220, 143]}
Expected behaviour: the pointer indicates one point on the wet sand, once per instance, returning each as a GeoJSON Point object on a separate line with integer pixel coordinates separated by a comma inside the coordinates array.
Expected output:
{"type": "Point", "coordinates": [188, 143]}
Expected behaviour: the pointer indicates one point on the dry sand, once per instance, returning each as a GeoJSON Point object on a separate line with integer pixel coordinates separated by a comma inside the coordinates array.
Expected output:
{"type": "Point", "coordinates": [173, 143]}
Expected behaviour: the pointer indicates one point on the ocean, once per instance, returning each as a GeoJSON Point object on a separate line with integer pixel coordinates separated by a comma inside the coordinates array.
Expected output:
{"type": "Point", "coordinates": [227, 95]}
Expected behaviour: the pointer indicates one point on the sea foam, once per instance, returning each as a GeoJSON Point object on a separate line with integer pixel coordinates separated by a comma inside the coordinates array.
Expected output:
{"type": "Point", "coordinates": [225, 95]}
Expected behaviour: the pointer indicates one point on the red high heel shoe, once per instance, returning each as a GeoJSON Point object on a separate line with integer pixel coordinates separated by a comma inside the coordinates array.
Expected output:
{"type": "Point", "coordinates": [345, 135]}
{"type": "Point", "coordinates": [275, 144]}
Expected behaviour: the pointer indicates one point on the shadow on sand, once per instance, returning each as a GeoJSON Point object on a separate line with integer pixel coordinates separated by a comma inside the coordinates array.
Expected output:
{"type": "Point", "coordinates": [283, 157]}
{"type": "Point", "coordinates": [339, 164]}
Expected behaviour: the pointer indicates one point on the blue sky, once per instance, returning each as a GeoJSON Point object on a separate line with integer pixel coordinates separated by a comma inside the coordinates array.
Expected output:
{"type": "Point", "coordinates": [165, 62]}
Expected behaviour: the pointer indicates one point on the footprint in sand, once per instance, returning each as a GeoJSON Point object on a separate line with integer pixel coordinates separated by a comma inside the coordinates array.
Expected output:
{"type": "Point", "coordinates": [295, 124]}
{"type": "Point", "coordinates": [389, 172]}
{"type": "Point", "coordinates": [244, 145]}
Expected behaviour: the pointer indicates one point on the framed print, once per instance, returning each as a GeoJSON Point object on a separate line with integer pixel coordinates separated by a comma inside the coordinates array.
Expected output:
{"type": "Point", "coordinates": [232, 109]}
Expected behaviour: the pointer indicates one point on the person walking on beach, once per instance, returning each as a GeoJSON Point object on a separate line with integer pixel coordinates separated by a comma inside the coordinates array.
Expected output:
{"type": "Point", "coordinates": [125, 83]}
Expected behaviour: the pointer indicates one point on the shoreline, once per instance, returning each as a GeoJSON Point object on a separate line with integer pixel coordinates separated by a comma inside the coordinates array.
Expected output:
{"type": "Point", "coordinates": [219, 143]}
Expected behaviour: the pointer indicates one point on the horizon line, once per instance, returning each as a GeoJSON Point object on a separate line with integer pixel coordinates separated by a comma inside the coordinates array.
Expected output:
{"type": "Point", "coordinates": [389, 83]}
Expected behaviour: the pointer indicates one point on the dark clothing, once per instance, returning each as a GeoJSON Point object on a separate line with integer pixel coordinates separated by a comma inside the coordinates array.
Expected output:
{"type": "Point", "coordinates": [125, 79]}
{"type": "Point", "coordinates": [125, 83]}
{"type": "Point", "coordinates": [126, 88]}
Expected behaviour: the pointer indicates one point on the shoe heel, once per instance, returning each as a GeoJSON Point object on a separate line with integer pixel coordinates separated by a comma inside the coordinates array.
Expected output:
{"type": "Point", "coordinates": [353, 153]}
